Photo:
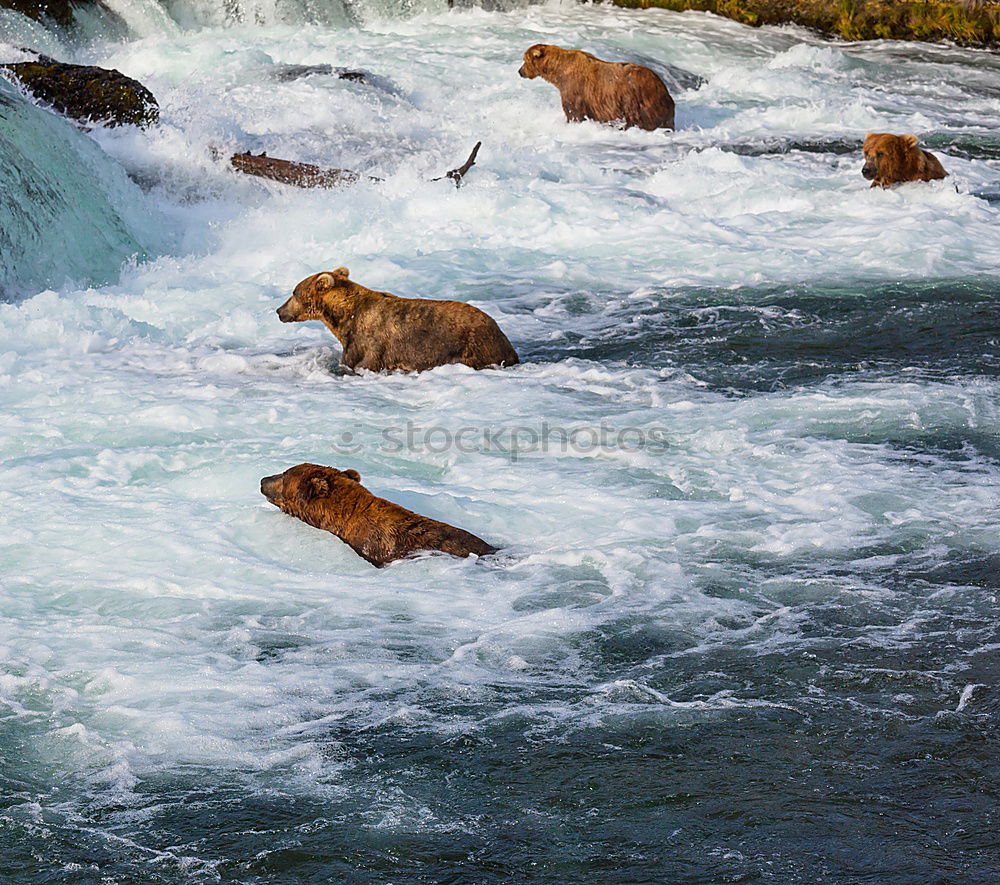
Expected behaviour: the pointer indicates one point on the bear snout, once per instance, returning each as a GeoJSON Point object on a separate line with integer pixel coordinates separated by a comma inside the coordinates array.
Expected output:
{"type": "Point", "coordinates": [270, 486]}
{"type": "Point", "coordinates": [285, 313]}
{"type": "Point", "coordinates": [521, 71]}
{"type": "Point", "coordinates": [868, 171]}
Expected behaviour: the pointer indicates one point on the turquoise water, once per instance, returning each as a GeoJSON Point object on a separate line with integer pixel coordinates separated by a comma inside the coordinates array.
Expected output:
{"type": "Point", "coordinates": [54, 180]}
{"type": "Point", "coordinates": [744, 625]}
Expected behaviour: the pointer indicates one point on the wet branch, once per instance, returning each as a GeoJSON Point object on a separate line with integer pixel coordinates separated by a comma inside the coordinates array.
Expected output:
{"type": "Point", "coordinates": [456, 175]}
{"type": "Point", "coordinates": [308, 175]}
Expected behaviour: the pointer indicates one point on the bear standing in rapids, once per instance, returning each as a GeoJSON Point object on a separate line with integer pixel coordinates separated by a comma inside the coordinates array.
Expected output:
{"type": "Point", "coordinates": [608, 92]}
{"type": "Point", "coordinates": [892, 159]}
{"type": "Point", "coordinates": [376, 529]}
{"type": "Point", "coordinates": [384, 333]}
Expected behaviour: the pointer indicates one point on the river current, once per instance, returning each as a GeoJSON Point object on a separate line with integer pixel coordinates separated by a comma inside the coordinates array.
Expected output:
{"type": "Point", "coordinates": [744, 627]}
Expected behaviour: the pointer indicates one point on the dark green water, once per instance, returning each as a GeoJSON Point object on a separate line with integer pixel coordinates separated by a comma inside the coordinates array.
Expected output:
{"type": "Point", "coordinates": [620, 758]}
{"type": "Point", "coordinates": [764, 339]}
{"type": "Point", "coordinates": [763, 650]}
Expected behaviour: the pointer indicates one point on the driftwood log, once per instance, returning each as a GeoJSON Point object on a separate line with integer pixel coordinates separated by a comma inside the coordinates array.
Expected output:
{"type": "Point", "coordinates": [289, 172]}
{"type": "Point", "coordinates": [308, 175]}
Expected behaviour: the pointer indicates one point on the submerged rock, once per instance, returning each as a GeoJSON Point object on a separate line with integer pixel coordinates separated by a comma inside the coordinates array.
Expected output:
{"type": "Point", "coordinates": [88, 94]}
{"type": "Point", "coordinates": [286, 73]}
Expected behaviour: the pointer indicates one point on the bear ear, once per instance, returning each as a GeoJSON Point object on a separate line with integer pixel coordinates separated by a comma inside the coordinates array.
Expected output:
{"type": "Point", "coordinates": [323, 282]}
{"type": "Point", "coordinates": [319, 485]}
{"type": "Point", "coordinates": [911, 140]}
{"type": "Point", "coordinates": [536, 52]}
{"type": "Point", "coordinates": [353, 474]}
{"type": "Point", "coordinates": [341, 273]}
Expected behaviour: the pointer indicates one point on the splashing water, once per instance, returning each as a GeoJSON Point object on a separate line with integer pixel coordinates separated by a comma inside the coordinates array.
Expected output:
{"type": "Point", "coordinates": [746, 477]}
{"type": "Point", "coordinates": [54, 180]}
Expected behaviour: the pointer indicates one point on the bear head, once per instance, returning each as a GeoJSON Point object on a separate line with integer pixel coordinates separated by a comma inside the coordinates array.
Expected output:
{"type": "Point", "coordinates": [313, 298]}
{"type": "Point", "coordinates": [888, 157]}
{"type": "Point", "coordinates": [303, 483]}
{"type": "Point", "coordinates": [537, 59]}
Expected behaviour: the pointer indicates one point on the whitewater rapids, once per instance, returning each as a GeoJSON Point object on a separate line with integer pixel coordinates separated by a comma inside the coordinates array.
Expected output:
{"type": "Point", "coordinates": [767, 590]}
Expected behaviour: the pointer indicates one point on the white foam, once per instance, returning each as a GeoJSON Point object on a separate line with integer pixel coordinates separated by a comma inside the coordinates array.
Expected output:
{"type": "Point", "coordinates": [184, 621]}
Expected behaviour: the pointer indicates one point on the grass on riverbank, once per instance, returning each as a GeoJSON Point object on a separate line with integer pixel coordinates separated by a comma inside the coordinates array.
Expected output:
{"type": "Point", "coordinates": [970, 23]}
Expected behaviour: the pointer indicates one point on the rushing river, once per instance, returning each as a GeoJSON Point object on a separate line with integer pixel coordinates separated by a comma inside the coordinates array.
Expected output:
{"type": "Point", "coordinates": [745, 624]}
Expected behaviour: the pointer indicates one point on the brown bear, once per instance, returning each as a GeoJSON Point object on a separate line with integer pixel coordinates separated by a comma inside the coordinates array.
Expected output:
{"type": "Point", "coordinates": [605, 91]}
{"type": "Point", "coordinates": [374, 528]}
{"type": "Point", "coordinates": [891, 159]}
{"type": "Point", "coordinates": [385, 333]}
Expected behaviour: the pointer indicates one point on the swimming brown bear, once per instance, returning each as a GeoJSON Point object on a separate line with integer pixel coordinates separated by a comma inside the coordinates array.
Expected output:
{"type": "Point", "coordinates": [608, 92]}
{"type": "Point", "coordinates": [376, 529]}
{"type": "Point", "coordinates": [892, 159]}
{"type": "Point", "coordinates": [382, 332]}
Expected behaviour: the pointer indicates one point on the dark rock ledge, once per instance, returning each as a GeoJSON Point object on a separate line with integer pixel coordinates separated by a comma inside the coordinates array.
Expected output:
{"type": "Point", "coordinates": [40, 10]}
{"type": "Point", "coordinates": [87, 94]}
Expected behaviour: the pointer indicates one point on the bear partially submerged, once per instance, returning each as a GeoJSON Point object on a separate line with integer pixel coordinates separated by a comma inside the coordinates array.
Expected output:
{"type": "Point", "coordinates": [608, 92]}
{"type": "Point", "coordinates": [382, 332]}
{"type": "Point", "coordinates": [376, 529]}
{"type": "Point", "coordinates": [892, 159]}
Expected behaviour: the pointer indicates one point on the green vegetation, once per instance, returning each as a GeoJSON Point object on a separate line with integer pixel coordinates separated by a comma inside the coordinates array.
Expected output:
{"type": "Point", "coordinates": [970, 23]}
